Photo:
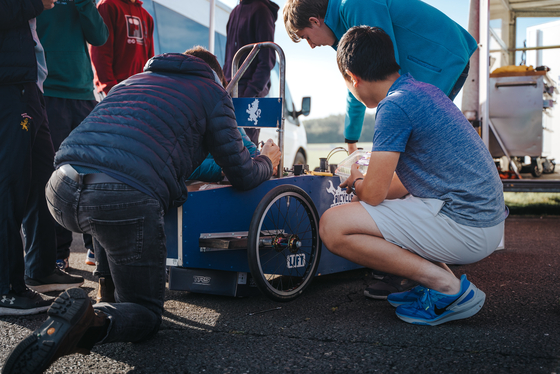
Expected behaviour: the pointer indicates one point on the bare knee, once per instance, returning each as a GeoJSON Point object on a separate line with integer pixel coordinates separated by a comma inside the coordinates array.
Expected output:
{"type": "Point", "coordinates": [330, 230]}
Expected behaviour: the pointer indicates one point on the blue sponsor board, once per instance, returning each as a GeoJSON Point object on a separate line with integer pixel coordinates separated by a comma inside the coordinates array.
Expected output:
{"type": "Point", "coordinates": [258, 112]}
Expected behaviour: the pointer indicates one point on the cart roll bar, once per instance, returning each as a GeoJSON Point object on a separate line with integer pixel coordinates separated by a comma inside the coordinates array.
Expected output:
{"type": "Point", "coordinates": [237, 73]}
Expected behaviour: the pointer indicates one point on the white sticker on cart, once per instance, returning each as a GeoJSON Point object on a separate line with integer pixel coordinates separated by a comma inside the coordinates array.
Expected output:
{"type": "Point", "coordinates": [339, 196]}
{"type": "Point", "coordinates": [254, 112]}
{"type": "Point", "coordinates": [241, 278]}
{"type": "Point", "coordinates": [295, 261]}
{"type": "Point", "coordinates": [201, 280]}
{"type": "Point", "coordinates": [172, 262]}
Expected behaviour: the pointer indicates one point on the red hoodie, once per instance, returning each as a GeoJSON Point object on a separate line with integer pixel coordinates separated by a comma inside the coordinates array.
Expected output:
{"type": "Point", "coordinates": [129, 46]}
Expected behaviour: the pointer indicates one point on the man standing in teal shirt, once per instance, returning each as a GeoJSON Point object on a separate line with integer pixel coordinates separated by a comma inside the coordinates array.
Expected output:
{"type": "Point", "coordinates": [65, 32]}
{"type": "Point", "coordinates": [429, 45]}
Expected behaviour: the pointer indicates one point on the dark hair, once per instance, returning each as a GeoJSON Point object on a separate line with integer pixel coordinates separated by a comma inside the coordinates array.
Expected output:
{"type": "Point", "coordinates": [210, 59]}
{"type": "Point", "coordinates": [368, 53]}
{"type": "Point", "coordinates": [297, 14]}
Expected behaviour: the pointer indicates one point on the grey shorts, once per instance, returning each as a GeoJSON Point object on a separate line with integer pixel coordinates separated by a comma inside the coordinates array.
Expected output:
{"type": "Point", "coordinates": [417, 225]}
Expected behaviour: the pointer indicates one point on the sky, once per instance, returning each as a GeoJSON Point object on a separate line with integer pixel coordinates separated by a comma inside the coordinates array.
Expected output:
{"type": "Point", "coordinates": [315, 73]}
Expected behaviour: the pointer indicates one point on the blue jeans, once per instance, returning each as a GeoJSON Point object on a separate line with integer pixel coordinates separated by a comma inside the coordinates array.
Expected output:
{"type": "Point", "coordinates": [26, 163]}
{"type": "Point", "coordinates": [128, 231]}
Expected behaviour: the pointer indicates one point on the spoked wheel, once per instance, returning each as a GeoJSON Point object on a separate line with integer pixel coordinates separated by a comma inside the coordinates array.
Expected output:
{"type": "Point", "coordinates": [283, 244]}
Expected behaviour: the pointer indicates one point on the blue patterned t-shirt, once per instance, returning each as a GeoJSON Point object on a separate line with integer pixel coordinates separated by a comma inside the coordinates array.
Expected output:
{"type": "Point", "coordinates": [441, 155]}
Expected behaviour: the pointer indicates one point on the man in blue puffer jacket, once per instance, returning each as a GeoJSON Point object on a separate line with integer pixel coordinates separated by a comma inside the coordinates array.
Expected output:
{"type": "Point", "coordinates": [117, 174]}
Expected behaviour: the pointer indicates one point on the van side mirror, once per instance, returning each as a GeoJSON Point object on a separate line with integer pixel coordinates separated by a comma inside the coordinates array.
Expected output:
{"type": "Point", "coordinates": [305, 106]}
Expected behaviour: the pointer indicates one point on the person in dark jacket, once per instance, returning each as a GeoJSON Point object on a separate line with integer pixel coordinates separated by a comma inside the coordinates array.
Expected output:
{"type": "Point", "coordinates": [252, 21]}
{"type": "Point", "coordinates": [117, 174]}
{"type": "Point", "coordinates": [26, 163]}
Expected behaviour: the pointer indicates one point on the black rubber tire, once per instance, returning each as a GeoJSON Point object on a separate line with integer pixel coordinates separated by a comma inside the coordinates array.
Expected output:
{"type": "Point", "coordinates": [289, 209]}
{"type": "Point", "coordinates": [535, 170]}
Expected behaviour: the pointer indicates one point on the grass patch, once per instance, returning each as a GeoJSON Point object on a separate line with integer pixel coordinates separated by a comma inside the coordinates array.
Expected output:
{"type": "Point", "coordinates": [533, 203]}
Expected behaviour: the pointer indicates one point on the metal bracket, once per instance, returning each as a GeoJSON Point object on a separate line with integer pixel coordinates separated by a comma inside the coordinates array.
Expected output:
{"type": "Point", "coordinates": [230, 241]}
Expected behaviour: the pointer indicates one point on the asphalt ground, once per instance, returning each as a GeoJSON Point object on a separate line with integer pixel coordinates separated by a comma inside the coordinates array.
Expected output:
{"type": "Point", "coordinates": [332, 327]}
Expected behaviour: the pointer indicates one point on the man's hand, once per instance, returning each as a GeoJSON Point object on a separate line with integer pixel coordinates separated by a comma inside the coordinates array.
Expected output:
{"type": "Point", "coordinates": [354, 173]}
{"type": "Point", "coordinates": [48, 4]}
{"type": "Point", "coordinates": [352, 147]}
{"type": "Point", "coordinates": [272, 151]}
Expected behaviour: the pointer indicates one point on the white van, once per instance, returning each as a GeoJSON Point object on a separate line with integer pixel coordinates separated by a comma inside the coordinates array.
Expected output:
{"type": "Point", "coordinates": [183, 24]}
{"type": "Point", "coordinates": [295, 137]}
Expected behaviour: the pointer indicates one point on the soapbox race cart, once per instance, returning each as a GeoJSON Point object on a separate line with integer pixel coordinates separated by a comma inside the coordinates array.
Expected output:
{"type": "Point", "coordinates": [225, 241]}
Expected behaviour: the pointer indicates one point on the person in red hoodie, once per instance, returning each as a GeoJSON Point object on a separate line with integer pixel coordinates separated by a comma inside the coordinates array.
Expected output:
{"type": "Point", "coordinates": [129, 46]}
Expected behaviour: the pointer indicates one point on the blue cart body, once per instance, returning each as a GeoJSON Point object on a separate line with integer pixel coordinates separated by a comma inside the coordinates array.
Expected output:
{"type": "Point", "coordinates": [225, 210]}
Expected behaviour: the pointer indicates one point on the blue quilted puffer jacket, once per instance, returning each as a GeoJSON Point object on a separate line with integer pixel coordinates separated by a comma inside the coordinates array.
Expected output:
{"type": "Point", "coordinates": [155, 128]}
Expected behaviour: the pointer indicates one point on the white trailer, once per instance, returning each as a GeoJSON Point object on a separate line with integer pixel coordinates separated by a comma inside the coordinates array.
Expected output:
{"type": "Point", "coordinates": [476, 100]}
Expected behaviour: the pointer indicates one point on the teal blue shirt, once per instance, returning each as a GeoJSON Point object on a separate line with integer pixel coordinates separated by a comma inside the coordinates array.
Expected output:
{"type": "Point", "coordinates": [210, 171]}
{"type": "Point", "coordinates": [65, 32]}
{"type": "Point", "coordinates": [429, 45]}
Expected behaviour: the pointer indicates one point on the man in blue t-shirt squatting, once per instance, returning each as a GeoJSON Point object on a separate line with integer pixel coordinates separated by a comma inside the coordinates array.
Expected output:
{"type": "Point", "coordinates": [431, 196]}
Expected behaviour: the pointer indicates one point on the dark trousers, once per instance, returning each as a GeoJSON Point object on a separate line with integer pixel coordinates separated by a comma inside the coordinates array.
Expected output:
{"type": "Point", "coordinates": [64, 116]}
{"type": "Point", "coordinates": [253, 134]}
{"type": "Point", "coordinates": [128, 231]}
{"type": "Point", "coordinates": [26, 163]}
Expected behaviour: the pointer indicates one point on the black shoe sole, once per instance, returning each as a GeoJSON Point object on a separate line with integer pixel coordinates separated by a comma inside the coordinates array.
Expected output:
{"type": "Point", "coordinates": [54, 286]}
{"type": "Point", "coordinates": [34, 354]}
{"type": "Point", "coordinates": [374, 296]}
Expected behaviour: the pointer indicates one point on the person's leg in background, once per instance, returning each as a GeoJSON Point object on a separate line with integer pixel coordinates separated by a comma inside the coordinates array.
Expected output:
{"type": "Point", "coordinates": [21, 117]}
{"type": "Point", "coordinates": [38, 225]}
{"type": "Point", "coordinates": [64, 116]}
{"type": "Point", "coordinates": [90, 254]}
{"type": "Point", "coordinates": [17, 129]}
{"type": "Point", "coordinates": [253, 134]}
{"type": "Point", "coordinates": [106, 286]}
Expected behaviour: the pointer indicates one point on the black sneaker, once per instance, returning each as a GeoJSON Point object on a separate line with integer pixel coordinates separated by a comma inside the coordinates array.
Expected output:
{"type": "Point", "coordinates": [388, 285]}
{"type": "Point", "coordinates": [72, 327]}
{"type": "Point", "coordinates": [58, 281]}
{"type": "Point", "coordinates": [24, 303]}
